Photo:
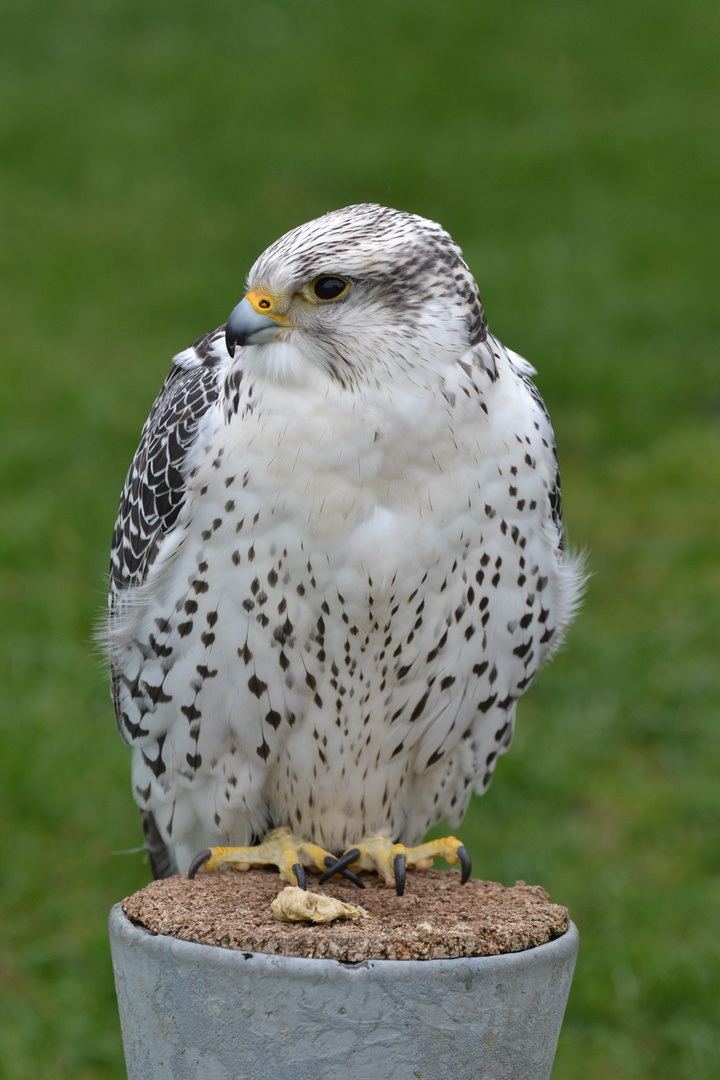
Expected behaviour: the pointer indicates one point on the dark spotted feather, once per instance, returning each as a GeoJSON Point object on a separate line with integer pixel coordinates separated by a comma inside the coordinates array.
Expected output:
{"type": "Point", "coordinates": [154, 490]}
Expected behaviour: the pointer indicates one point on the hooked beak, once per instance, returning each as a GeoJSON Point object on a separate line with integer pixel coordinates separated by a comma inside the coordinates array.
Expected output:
{"type": "Point", "coordinates": [248, 325]}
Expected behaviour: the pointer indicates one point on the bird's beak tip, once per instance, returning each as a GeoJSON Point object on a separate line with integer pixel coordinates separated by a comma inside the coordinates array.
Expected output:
{"type": "Point", "coordinates": [247, 326]}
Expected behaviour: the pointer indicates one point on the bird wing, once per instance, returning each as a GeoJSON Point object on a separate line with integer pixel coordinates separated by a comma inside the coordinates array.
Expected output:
{"type": "Point", "coordinates": [153, 495]}
{"type": "Point", "coordinates": [155, 486]}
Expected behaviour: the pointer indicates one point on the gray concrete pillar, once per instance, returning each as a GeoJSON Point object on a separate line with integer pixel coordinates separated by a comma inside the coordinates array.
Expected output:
{"type": "Point", "coordinates": [198, 1012]}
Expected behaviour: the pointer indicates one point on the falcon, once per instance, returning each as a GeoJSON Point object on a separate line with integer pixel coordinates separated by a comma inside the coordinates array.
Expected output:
{"type": "Point", "coordinates": [338, 562]}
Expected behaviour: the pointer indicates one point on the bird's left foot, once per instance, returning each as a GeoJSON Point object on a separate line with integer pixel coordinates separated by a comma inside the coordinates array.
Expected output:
{"type": "Point", "coordinates": [391, 860]}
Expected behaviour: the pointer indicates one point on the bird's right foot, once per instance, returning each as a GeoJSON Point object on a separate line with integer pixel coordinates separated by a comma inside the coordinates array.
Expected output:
{"type": "Point", "coordinates": [291, 854]}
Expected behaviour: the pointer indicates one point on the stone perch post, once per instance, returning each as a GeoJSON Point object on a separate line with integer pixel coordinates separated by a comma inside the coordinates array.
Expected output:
{"type": "Point", "coordinates": [241, 1010]}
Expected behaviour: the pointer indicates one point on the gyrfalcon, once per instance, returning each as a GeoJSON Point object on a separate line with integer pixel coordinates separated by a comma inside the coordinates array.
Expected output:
{"type": "Point", "coordinates": [338, 561]}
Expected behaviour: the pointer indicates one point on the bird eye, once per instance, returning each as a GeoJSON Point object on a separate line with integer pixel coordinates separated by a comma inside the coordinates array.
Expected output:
{"type": "Point", "coordinates": [330, 288]}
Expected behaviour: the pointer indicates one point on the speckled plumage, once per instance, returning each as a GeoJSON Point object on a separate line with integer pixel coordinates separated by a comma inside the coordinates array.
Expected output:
{"type": "Point", "coordinates": [338, 559]}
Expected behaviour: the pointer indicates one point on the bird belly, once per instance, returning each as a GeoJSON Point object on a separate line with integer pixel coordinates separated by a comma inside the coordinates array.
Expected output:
{"type": "Point", "coordinates": [334, 643]}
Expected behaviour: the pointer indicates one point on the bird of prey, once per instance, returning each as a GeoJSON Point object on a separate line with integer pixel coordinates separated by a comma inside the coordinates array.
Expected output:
{"type": "Point", "coordinates": [338, 562]}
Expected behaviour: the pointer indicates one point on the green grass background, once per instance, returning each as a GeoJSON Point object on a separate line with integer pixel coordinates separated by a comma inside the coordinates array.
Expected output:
{"type": "Point", "coordinates": [150, 149]}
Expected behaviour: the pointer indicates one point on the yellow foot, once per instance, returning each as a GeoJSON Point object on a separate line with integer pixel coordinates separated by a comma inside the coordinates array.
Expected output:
{"type": "Point", "coordinates": [280, 848]}
{"type": "Point", "coordinates": [391, 860]}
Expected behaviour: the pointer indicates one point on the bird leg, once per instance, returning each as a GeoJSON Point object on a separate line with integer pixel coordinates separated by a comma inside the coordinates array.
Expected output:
{"type": "Point", "coordinates": [390, 860]}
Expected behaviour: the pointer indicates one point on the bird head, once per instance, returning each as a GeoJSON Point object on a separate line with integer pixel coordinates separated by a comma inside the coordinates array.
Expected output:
{"type": "Point", "coordinates": [360, 287]}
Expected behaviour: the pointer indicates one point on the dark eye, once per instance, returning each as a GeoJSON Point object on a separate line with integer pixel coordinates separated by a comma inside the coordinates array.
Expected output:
{"type": "Point", "coordinates": [330, 288]}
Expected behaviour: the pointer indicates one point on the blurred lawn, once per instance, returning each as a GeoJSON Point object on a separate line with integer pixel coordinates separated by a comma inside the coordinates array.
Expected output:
{"type": "Point", "coordinates": [150, 150]}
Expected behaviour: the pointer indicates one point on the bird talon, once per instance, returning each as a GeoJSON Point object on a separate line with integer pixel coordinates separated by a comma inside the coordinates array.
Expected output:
{"type": "Point", "coordinates": [399, 866]}
{"type": "Point", "coordinates": [465, 863]}
{"type": "Point", "coordinates": [199, 861]}
{"type": "Point", "coordinates": [299, 871]}
{"type": "Point", "coordinates": [351, 876]}
{"type": "Point", "coordinates": [330, 860]}
{"type": "Point", "coordinates": [339, 865]}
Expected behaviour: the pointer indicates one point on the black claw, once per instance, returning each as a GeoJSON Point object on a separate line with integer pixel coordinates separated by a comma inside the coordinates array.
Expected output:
{"type": "Point", "coordinates": [198, 861]}
{"type": "Point", "coordinates": [399, 865]}
{"type": "Point", "coordinates": [330, 861]}
{"type": "Point", "coordinates": [351, 876]}
{"type": "Point", "coordinates": [465, 863]}
{"type": "Point", "coordinates": [337, 866]}
{"type": "Point", "coordinates": [299, 872]}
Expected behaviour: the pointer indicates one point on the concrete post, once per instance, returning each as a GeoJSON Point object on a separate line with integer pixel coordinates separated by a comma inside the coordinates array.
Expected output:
{"type": "Point", "coordinates": [198, 1012]}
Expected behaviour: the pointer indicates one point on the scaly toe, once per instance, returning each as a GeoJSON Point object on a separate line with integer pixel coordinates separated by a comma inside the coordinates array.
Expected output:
{"type": "Point", "coordinates": [448, 848]}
